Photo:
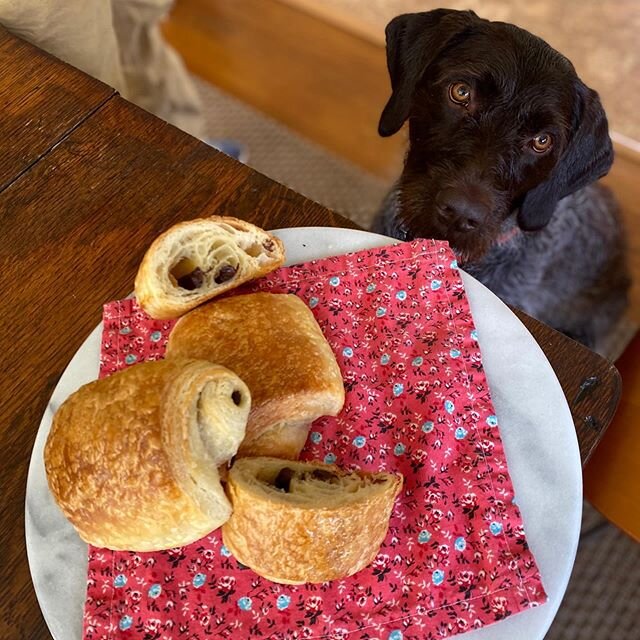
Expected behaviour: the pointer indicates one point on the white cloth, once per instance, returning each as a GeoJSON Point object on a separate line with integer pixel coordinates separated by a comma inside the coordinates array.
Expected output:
{"type": "Point", "coordinates": [118, 42]}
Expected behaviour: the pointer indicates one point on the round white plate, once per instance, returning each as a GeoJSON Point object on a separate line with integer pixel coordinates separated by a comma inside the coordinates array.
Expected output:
{"type": "Point", "coordinates": [535, 424]}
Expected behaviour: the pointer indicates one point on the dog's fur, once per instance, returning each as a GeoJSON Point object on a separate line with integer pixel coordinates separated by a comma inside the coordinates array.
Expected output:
{"type": "Point", "coordinates": [529, 225]}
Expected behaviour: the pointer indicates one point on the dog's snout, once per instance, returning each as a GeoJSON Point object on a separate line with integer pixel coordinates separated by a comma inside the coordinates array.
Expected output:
{"type": "Point", "coordinates": [466, 210]}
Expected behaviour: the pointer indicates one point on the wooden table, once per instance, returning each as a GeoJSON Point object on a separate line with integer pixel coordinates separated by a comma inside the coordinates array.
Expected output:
{"type": "Point", "coordinates": [87, 180]}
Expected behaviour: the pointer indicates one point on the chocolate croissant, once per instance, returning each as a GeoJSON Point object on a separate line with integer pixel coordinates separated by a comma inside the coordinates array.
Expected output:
{"type": "Point", "coordinates": [132, 459]}
{"type": "Point", "coordinates": [197, 260]}
{"type": "Point", "coordinates": [297, 522]}
{"type": "Point", "coordinates": [273, 342]}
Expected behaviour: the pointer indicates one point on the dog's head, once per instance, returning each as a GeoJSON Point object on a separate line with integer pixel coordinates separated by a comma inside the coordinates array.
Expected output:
{"type": "Point", "coordinates": [499, 123]}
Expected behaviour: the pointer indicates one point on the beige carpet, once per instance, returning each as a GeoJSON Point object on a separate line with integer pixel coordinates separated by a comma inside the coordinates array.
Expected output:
{"type": "Point", "coordinates": [603, 598]}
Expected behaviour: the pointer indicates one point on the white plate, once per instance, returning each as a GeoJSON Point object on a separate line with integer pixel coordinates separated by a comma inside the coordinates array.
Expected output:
{"type": "Point", "coordinates": [535, 423]}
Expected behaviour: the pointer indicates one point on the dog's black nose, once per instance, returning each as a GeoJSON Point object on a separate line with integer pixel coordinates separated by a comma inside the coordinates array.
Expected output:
{"type": "Point", "coordinates": [465, 211]}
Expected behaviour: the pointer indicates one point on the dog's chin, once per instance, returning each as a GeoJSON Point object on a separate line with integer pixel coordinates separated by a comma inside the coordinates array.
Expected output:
{"type": "Point", "coordinates": [468, 247]}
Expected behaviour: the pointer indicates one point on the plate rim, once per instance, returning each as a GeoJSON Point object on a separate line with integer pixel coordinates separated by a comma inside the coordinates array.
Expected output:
{"type": "Point", "coordinates": [342, 240]}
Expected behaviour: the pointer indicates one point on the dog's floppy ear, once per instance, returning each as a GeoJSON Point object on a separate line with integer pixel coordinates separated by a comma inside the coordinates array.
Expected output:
{"type": "Point", "coordinates": [414, 41]}
{"type": "Point", "coordinates": [588, 156]}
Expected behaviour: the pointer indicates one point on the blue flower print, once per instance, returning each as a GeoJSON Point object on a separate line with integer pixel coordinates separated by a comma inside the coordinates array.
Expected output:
{"type": "Point", "coordinates": [495, 528]}
{"type": "Point", "coordinates": [330, 458]}
{"type": "Point", "coordinates": [449, 407]}
{"type": "Point", "coordinates": [313, 302]}
{"type": "Point", "coordinates": [396, 634]}
{"type": "Point", "coordinates": [224, 551]}
{"type": "Point", "coordinates": [424, 536]}
{"type": "Point", "coordinates": [492, 421]}
{"type": "Point", "coordinates": [401, 295]}
{"type": "Point", "coordinates": [454, 264]}
{"type": "Point", "coordinates": [416, 362]}
{"type": "Point", "coordinates": [155, 336]}
{"type": "Point", "coordinates": [245, 603]}
{"type": "Point", "coordinates": [283, 602]}
{"type": "Point", "coordinates": [125, 331]}
{"type": "Point", "coordinates": [380, 311]}
{"type": "Point", "coordinates": [399, 449]}
{"type": "Point", "coordinates": [460, 544]}
{"type": "Point", "coordinates": [198, 580]}
{"type": "Point", "coordinates": [474, 335]}
{"type": "Point", "coordinates": [385, 358]}
{"type": "Point", "coordinates": [398, 388]}
{"type": "Point", "coordinates": [347, 352]}
{"type": "Point", "coordinates": [154, 590]}
{"type": "Point", "coordinates": [359, 441]}
{"type": "Point", "coordinates": [460, 433]}
{"type": "Point", "coordinates": [427, 427]}
{"type": "Point", "coordinates": [454, 353]}
{"type": "Point", "coordinates": [371, 288]}
{"type": "Point", "coordinates": [437, 577]}
{"type": "Point", "coordinates": [335, 281]}
{"type": "Point", "coordinates": [316, 437]}
{"type": "Point", "coordinates": [125, 623]}
{"type": "Point", "coordinates": [130, 358]}
{"type": "Point", "coordinates": [120, 580]}
{"type": "Point", "coordinates": [435, 285]}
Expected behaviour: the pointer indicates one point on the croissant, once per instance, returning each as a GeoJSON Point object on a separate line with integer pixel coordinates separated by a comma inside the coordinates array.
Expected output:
{"type": "Point", "coordinates": [132, 459]}
{"type": "Point", "coordinates": [273, 342]}
{"type": "Point", "coordinates": [197, 260]}
{"type": "Point", "coordinates": [297, 522]}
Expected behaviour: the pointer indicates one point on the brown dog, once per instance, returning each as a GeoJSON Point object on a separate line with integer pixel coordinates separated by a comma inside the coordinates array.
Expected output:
{"type": "Point", "coordinates": [504, 141]}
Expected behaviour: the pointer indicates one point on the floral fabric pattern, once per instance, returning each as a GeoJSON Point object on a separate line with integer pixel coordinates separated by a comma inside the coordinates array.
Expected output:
{"type": "Point", "coordinates": [455, 557]}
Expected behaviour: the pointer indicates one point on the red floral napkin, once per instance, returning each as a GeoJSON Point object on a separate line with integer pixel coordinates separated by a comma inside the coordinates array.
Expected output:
{"type": "Point", "coordinates": [455, 557]}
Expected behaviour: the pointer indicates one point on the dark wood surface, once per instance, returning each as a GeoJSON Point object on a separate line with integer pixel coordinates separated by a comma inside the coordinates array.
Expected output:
{"type": "Point", "coordinates": [41, 99]}
{"type": "Point", "coordinates": [75, 219]}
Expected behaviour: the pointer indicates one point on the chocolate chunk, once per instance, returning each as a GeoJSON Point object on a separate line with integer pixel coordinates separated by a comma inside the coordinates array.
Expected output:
{"type": "Point", "coordinates": [323, 475]}
{"type": "Point", "coordinates": [192, 280]}
{"type": "Point", "coordinates": [225, 273]}
{"type": "Point", "coordinates": [268, 245]}
{"type": "Point", "coordinates": [236, 396]}
{"type": "Point", "coordinates": [283, 479]}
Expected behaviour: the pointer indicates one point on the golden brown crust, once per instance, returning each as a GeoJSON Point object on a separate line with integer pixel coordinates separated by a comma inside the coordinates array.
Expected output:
{"type": "Point", "coordinates": [210, 246]}
{"type": "Point", "coordinates": [273, 342]}
{"type": "Point", "coordinates": [324, 528]}
{"type": "Point", "coordinates": [118, 449]}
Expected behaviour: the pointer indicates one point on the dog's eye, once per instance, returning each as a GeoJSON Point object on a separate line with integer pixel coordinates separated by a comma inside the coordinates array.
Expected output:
{"type": "Point", "coordinates": [460, 93]}
{"type": "Point", "coordinates": [542, 142]}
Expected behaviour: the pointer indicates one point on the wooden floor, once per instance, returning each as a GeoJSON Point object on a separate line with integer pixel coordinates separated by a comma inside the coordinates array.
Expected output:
{"type": "Point", "coordinates": [330, 86]}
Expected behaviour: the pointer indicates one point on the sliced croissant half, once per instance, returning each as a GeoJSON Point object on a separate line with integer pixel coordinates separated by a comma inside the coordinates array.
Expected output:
{"type": "Point", "coordinates": [195, 261]}
{"type": "Point", "coordinates": [297, 522]}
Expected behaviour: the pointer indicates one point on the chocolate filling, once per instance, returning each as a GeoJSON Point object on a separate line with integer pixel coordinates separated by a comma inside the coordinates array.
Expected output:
{"type": "Point", "coordinates": [225, 274]}
{"type": "Point", "coordinates": [268, 245]}
{"type": "Point", "coordinates": [236, 396]}
{"type": "Point", "coordinates": [323, 475]}
{"type": "Point", "coordinates": [283, 479]}
{"type": "Point", "coordinates": [192, 280]}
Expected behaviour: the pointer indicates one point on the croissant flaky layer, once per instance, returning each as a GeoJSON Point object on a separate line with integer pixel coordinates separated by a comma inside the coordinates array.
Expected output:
{"type": "Point", "coordinates": [297, 522]}
{"type": "Point", "coordinates": [197, 260]}
{"type": "Point", "coordinates": [132, 459]}
{"type": "Point", "coordinates": [273, 342]}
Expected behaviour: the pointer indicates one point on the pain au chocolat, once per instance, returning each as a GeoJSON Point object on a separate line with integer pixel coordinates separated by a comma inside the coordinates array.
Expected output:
{"type": "Point", "coordinates": [195, 261]}
{"type": "Point", "coordinates": [273, 342]}
{"type": "Point", "coordinates": [132, 459]}
{"type": "Point", "coordinates": [297, 522]}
